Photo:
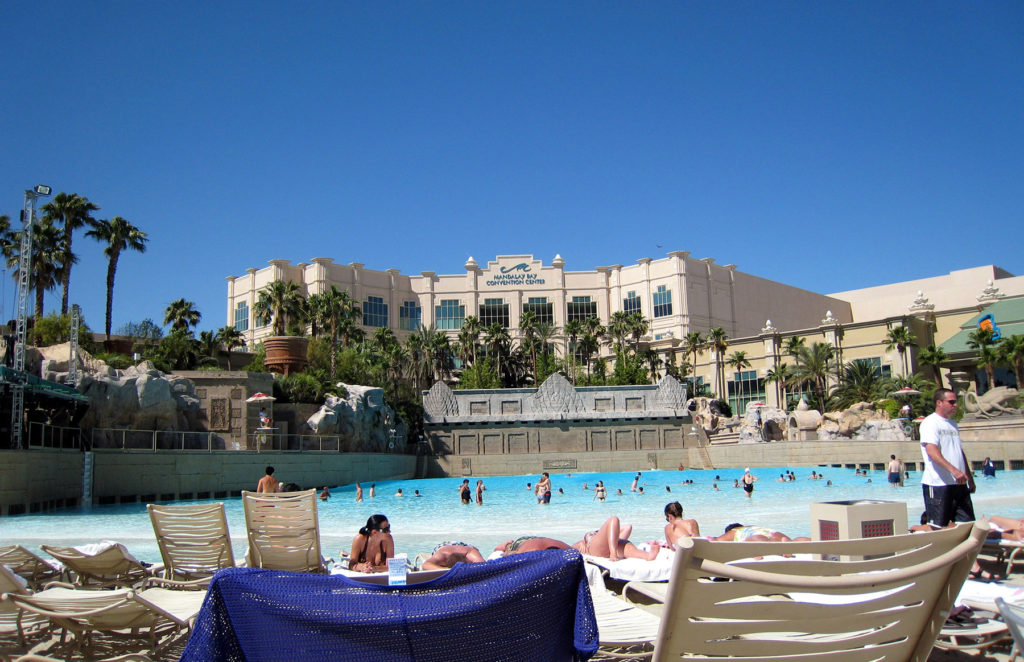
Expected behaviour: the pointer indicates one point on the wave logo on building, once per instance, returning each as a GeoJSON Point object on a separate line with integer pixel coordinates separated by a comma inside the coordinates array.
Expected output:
{"type": "Point", "coordinates": [522, 266]}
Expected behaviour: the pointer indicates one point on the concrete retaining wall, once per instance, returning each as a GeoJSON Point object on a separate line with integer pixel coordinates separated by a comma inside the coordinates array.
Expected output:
{"type": "Point", "coordinates": [43, 480]}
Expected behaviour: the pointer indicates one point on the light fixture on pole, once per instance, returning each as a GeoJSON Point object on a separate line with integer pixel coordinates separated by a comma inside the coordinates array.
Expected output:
{"type": "Point", "coordinates": [24, 268]}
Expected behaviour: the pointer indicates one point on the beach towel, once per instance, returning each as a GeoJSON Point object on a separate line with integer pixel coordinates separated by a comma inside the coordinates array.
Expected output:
{"type": "Point", "coordinates": [526, 607]}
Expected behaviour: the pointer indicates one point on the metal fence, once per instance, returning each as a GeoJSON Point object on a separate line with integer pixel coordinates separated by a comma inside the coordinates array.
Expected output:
{"type": "Point", "coordinates": [42, 435]}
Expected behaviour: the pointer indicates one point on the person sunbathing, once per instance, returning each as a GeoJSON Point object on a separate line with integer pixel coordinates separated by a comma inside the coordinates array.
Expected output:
{"type": "Point", "coordinates": [447, 554]}
{"type": "Point", "coordinates": [529, 544]}
{"type": "Point", "coordinates": [1008, 528]}
{"type": "Point", "coordinates": [678, 527]}
{"type": "Point", "coordinates": [372, 546]}
{"type": "Point", "coordinates": [611, 541]}
{"type": "Point", "coordinates": [740, 533]}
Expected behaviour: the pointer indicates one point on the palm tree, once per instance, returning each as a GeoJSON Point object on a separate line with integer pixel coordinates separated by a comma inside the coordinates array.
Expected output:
{"type": "Point", "coordinates": [860, 383]}
{"type": "Point", "coordinates": [181, 315]}
{"type": "Point", "coordinates": [280, 302]}
{"type": "Point", "coordinates": [814, 365]}
{"type": "Point", "coordinates": [209, 344]}
{"type": "Point", "coordinates": [230, 337]}
{"type": "Point", "coordinates": [718, 342]}
{"type": "Point", "coordinates": [473, 328]}
{"type": "Point", "coordinates": [933, 357]}
{"type": "Point", "coordinates": [988, 358]}
{"type": "Point", "coordinates": [120, 235]}
{"type": "Point", "coordinates": [528, 326]}
{"type": "Point", "coordinates": [45, 265]}
{"type": "Point", "coordinates": [982, 339]}
{"type": "Point", "coordinates": [588, 347]}
{"type": "Point", "coordinates": [900, 338]}
{"type": "Point", "coordinates": [794, 345]}
{"type": "Point", "coordinates": [619, 328]}
{"type": "Point", "coordinates": [71, 211]}
{"type": "Point", "coordinates": [653, 360]}
{"type": "Point", "coordinates": [1011, 351]}
{"type": "Point", "coordinates": [573, 330]}
{"type": "Point", "coordinates": [780, 376]}
{"type": "Point", "coordinates": [328, 309]}
{"type": "Point", "coordinates": [638, 326]}
{"type": "Point", "coordinates": [497, 340]}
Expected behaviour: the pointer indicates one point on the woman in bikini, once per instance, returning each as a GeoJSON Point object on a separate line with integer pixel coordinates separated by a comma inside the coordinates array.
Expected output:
{"type": "Point", "coordinates": [372, 546]}
{"type": "Point", "coordinates": [611, 541]}
{"type": "Point", "coordinates": [678, 527]}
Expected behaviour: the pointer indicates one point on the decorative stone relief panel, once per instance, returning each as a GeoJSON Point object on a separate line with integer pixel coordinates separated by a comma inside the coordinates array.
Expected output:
{"type": "Point", "coordinates": [634, 404]}
{"type": "Point", "coordinates": [671, 394]}
{"type": "Point", "coordinates": [556, 396]}
{"type": "Point", "coordinates": [220, 421]}
{"type": "Point", "coordinates": [440, 402]}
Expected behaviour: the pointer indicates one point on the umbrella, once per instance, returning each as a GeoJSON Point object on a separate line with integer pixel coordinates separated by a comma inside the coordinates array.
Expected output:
{"type": "Point", "coordinates": [906, 390]}
{"type": "Point", "coordinates": [758, 404]}
{"type": "Point", "coordinates": [260, 397]}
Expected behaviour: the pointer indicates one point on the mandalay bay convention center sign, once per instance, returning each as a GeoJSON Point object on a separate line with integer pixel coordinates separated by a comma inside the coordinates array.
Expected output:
{"type": "Point", "coordinates": [517, 274]}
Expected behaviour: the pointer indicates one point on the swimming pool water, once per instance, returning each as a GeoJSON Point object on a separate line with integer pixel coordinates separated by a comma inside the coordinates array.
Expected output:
{"type": "Point", "coordinates": [511, 510]}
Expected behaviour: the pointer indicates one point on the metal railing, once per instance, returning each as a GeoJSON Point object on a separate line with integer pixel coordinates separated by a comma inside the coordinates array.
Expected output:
{"type": "Point", "coordinates": [42, 435]}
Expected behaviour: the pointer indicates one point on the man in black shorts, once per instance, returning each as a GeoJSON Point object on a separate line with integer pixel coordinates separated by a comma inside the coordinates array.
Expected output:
{"type": "Point", "coordinates": [946, 481]}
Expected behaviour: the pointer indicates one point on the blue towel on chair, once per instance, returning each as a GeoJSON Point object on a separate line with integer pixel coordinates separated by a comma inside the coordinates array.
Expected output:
{"type": "Point", "coordinates": [526, 607]}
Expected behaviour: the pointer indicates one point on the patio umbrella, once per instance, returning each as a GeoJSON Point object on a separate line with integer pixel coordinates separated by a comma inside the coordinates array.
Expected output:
{"type": "Point", "coordinates": [758, 404]}
{"type": "Point", "coordinates": [260, 397]}
{"type": "Point", "coordinates": [905, 391]}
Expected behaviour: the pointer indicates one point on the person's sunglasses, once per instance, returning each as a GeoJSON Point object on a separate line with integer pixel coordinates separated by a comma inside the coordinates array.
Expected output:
{"type": "Point", "coordinates": [385, 529]}
{"type": "Point", "coordinates": [950, 402]}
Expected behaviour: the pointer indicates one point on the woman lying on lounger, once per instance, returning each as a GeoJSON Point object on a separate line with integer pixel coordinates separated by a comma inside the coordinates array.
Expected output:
{"type": "Point", "coordinates": [611, 541]}
{"type": "Point", "coordinates": [373, 546]}
{"type": "Point", "coordinates": [529, 544]}
{"type": "Point", "coordinates": [447, 554]}
{"type": "Point", "coordinates": [740, 533]}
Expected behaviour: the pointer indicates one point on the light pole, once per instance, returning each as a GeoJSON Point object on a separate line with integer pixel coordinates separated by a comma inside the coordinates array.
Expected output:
{"type": "Point", "coordinates": [28, 217]}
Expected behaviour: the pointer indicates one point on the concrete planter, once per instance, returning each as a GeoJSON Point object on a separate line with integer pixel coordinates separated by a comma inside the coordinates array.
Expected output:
{"type": "Point", "coordinates": [286, 354]}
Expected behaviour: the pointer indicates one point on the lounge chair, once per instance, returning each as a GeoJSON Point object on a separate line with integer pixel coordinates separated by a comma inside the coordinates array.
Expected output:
{"type": "Point", "coordinates": [11, 619]}
{"type": "Point", "coordinates": [194, 540]}
{"type": "Point", "coordinates": [111, 565]}
{"type": "Point", "coordinates": [723, 602]}
{"type": "Point", "coordinates": [283, 531]}
{"type": "Point", "coordinates": [623, 628]}
{"type": "Point", "coordinates": [33, 568]}
{"type": "Point", "coordinates": [532, 606]}
{"type": "Point", "coordinates": [150, 613]}
{"type": "Point", "coordinates": [1013, 616]}
{"type": "Point", "coordinates": [1005, 551]}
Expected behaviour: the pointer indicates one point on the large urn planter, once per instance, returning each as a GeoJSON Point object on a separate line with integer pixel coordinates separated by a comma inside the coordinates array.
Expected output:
{"type": "Point", "coordinates": [285, 354]}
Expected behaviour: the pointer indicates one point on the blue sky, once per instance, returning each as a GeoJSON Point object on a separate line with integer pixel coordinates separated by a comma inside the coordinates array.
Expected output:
{"type": "Point", "coordinates": [828, 145]}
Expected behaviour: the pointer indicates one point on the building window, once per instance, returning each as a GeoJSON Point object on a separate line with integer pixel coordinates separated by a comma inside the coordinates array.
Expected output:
{"type": "Point", "coordinates": [375, 312]}
{"type": "Point", "coordinates": [242, 316]}
{"type": "Point", "coordinates": [662, 302]}
{"type": "Point", "coordinates": [881, 371]}
{"type": "Point", "coordinates": [409, 316]}
{"type": "Point", "coordinates": [450, 315]}
{"type": "Point", "coordinates": [580, 308]}
{"type": "Point", "coordinates": [541, 308]}
{"type": "Point", "coordinates": [631, 304]}
{"type": "Point", "coordinates": [494, 311]}
{"type": "Point", "coordinates": [745, 388]}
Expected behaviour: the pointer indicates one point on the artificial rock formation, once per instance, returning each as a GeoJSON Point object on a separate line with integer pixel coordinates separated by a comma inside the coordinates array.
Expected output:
{"type": "Point", "coordinates": [362, 419]}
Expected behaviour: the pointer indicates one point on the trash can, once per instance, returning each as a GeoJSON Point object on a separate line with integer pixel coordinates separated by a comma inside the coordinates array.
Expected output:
{"type": "Point", "coordinates": [864, 518]}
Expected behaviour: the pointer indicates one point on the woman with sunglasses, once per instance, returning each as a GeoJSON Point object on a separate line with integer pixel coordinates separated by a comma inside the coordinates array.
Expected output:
{"type": "Point", "coordinates": [372, 546]}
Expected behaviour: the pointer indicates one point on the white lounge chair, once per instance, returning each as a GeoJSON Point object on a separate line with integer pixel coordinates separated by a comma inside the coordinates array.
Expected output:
{"type": "Point", "coordinates": [111, 566]}
{"type": "Point", "coordinates": [12, 621]}
{"type": "Point", "coordinates": [150, 613]}
{"type": "Point", "coordinates": [283, 531]}
{"type": "Point", "coordinates": [194, 541]}
{"type": "Point", "coordinates": [1013, 616]}
{"type": "Point", "coordinates": [722, 602]}
{"type": "Point", "coordinates": [25, 563]}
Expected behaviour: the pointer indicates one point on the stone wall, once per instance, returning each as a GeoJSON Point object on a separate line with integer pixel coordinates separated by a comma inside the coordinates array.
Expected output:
{"type": "Point", "coordinates": [222, 406]}
{"type": "Point", "coordinates": [39, 480]}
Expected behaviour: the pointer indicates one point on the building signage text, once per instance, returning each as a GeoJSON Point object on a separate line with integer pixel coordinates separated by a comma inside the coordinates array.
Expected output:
{"type": "Point", "coordinates": [514, 275]}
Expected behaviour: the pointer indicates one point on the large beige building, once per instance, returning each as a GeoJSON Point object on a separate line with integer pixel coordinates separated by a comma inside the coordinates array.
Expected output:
{"type": "Point", "coordinates": [676, 294]}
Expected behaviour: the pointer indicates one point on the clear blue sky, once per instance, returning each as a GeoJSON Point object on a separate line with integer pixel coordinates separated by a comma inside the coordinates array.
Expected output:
{"type": "Point", "coordinates": [828, 145]}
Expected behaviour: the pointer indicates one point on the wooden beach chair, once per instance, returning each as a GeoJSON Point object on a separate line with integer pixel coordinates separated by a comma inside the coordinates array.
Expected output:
{"type": "Point", "coordinates": [152, 613]}
{"type": "Point", "coordinates": [283, 531]}
{"type": "Point", "coordinates": [194, 541]}
{"type": "Point", "coordinates": [111, 566]}
{"type": "Point", "coordinates": [888, 599]}
{"type": "Point", "coordinates": [11, 619]}
{"type": "Point", "coordinates": [33, 568]}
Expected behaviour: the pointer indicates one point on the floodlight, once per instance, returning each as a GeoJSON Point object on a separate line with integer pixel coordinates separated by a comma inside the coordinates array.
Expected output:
{"type": "Point", "coordinates": [42, 190]}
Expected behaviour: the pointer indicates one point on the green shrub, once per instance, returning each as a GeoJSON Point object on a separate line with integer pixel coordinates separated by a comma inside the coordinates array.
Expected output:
{"type": "Point", "coordinates": [115, 361]}
{"type": "Point", "coordinates": [889, 406]}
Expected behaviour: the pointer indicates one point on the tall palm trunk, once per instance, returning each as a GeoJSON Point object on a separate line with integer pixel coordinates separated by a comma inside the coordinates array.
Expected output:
{"type": "Point", "coordinates": [111, 270]}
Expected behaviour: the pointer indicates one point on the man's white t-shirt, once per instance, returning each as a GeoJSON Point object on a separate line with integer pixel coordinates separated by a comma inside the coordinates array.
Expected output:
{"type": "Point", "coordinates": [944, 433]}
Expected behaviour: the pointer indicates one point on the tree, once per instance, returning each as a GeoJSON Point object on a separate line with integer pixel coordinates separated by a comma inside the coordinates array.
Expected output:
{"type": "Point", "coordinates": [718, 342]}
{"type": "Point", "coordinates": [588, 347]}
{"type": "Point", "coordinates": [120, 236]}
{"type": "Point", "coordinates": [45, 266]}
{"type": "Point", "coordinates": [528, 327]}
{"type": "Point", "coordinates": [860, 383]}
{"type": "Point", "coordinates": [230, 337]}
{"type": "Point", "coordinates": [497, 340]}
{"type": "Point", "coordinates": [933, 357]}
{"type": "Point", "coordinates": [780, 376]}
{"type": "Point", "coordinates": [472, 328]}
{"type": "Point", "coordinates": [280, 303]}
{"type": "Point", "coordinates": [181, 315]}
{"type": "Point", "coordinates": [71, 211]}
{"type": "Point", "coordinates": [814, 365]}
{"type": "Point", "coordinates": [620, 326]}
{"type": "Point", "coordinates": [573, 330]}
{"type": "Point", "coordinates": [653, 360]}
{"type": "Point", "coordinates": [330, 309]}
{"type": "Point", "coordinates": [900, 338]}
{"type": "Point", "coordinates": [794, 345]}
{"type": "Point", "coordinates": [638, 326]}
{"type": "Point", "coordinates": [1011, 351]}
{"type": "Point", "coordinates": [982, 340]}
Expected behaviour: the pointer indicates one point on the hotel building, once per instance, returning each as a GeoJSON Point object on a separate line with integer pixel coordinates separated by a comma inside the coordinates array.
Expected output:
{"type": "Point", "coordinates": [677, 294]}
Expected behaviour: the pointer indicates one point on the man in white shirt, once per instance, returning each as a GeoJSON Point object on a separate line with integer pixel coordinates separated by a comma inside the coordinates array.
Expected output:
{"type": "Point", "coordinates": [946, 480]}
